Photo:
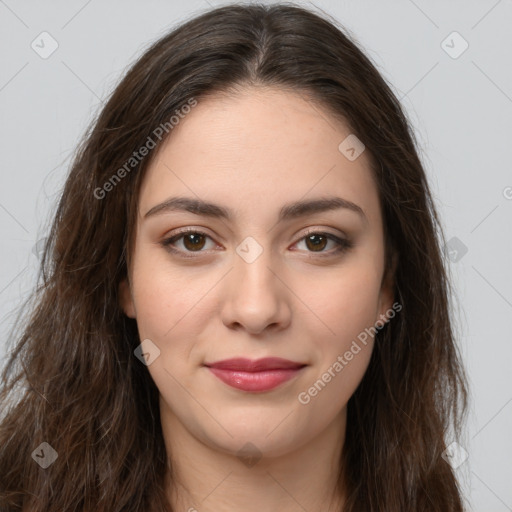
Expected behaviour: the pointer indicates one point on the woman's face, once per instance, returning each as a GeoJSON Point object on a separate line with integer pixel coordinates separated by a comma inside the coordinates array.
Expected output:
{"type": "Point", "coordinates": [264, 281]}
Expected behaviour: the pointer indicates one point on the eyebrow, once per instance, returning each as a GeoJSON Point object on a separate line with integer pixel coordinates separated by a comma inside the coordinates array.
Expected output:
{"type": "Point", "coordinates": [288, 211]}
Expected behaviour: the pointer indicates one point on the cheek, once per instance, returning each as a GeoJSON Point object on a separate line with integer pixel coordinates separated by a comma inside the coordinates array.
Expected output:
{"type": "Point", "coordinates": [343, 303]}
{"type": "Point", "coordinates": [167, 299]}
{"type": "Point", "coordinates": [169, 312]}
{"type": "Point", "coordinates": [343, 340]}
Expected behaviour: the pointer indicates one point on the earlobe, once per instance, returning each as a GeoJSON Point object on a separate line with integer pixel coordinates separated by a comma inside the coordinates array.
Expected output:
{"type": "Point", "coordinates": [126, 299]}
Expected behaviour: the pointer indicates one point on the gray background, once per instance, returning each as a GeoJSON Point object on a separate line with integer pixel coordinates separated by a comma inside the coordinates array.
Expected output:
{"type": "Point", "coordinates": [460, 107]}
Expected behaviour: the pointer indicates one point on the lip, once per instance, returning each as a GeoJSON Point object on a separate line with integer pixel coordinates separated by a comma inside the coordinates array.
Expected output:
{"type": "Point", "coordinates": [255, 375]}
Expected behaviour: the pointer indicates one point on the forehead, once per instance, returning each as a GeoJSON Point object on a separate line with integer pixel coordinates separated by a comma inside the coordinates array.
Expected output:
{"type": "Point", "coordinates": [255, 151]}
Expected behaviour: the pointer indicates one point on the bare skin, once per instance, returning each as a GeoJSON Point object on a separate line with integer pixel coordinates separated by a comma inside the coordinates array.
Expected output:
{"type": "Point", "coordinates": [253, 153]}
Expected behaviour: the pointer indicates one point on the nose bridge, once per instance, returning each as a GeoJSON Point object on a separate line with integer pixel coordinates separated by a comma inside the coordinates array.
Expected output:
{"type": "Point", "coordinates": [256, 297]}
{"type": "Point", "coordinates": [254, 272]}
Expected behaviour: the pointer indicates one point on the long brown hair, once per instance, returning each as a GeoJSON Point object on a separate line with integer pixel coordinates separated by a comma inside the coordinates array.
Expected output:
{"type": "Point", "coordinates": [72, 379]}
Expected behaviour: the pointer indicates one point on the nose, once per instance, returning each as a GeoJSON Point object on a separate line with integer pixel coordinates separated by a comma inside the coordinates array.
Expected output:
{"type": "Point", "coordinates": [255, 297]}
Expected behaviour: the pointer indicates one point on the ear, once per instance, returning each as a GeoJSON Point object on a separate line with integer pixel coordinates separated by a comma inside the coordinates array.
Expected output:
{"type": "Point", "coordinates": [386, 296]}
{"type": "Point", "coordinates": [126, 299]}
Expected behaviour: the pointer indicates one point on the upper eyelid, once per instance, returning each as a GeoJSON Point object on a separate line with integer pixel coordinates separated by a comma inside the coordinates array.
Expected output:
{"type": "Point", "coordinates": [185, 231]}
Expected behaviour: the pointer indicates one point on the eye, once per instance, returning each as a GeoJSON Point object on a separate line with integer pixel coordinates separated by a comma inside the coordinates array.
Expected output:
{"type": "Point", "coordinates": [316, 242]}
{"type": "Point", "coordinates": [194, 241]}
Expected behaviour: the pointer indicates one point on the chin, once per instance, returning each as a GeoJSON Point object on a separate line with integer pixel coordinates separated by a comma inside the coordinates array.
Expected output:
{"type": "Point", "coordinates": [254, 438]}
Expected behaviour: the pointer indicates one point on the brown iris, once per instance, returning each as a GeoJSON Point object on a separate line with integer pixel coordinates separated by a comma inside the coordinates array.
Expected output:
{"type": "Point", "coordinates": [194, 241]}
{"type": "Point", "coordinates": [316, 245]}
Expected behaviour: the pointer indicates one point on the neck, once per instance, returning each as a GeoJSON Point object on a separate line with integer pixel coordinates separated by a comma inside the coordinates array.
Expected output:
{"type": "Point", "coordinates": [204, 478]}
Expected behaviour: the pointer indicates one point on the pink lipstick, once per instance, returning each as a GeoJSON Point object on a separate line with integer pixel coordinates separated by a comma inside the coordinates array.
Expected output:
{"type": "Point", "coordinates": [255, 375]}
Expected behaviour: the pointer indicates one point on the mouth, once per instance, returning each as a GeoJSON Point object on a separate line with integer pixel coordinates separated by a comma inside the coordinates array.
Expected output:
{"type": "Point", "coordinates": [255, 375]}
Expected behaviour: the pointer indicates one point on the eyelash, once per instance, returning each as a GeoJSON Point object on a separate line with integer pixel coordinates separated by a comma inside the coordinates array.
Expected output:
{"type": "Point", "coordinates": [343, 244]}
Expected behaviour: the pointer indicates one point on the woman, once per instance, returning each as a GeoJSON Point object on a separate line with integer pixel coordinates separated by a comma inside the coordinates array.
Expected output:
{"type": "Point", "coordinates": [243, 302]}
